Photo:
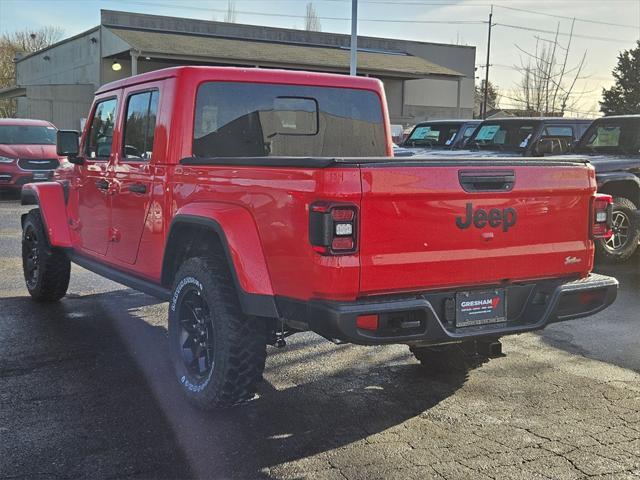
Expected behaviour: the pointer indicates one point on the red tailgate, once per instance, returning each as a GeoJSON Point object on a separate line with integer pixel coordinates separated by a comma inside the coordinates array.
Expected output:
{"type": "Point", "coordinates": [416, 233]}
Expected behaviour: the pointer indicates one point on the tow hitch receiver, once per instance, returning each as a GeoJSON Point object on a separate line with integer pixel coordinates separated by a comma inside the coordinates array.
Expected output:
{"type": "Point", "coordinates": [490, 349]}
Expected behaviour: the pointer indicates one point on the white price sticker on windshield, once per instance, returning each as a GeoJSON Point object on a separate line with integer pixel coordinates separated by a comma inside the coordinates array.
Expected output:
{"type": "Point", "coordinates": [525, 142]}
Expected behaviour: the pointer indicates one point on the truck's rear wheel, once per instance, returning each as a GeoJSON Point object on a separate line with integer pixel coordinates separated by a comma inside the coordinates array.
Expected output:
{"type": "Point", "coordinates": [218, 353]}
{"type": "Point", "coordinates": [626, 233]}
{"type": "Point", "coordinates": [46, 269]}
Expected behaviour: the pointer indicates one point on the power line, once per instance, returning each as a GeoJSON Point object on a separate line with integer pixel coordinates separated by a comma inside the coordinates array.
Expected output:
{"type": "Point", "coordinates": [486, 5]}
{"type": "Point", "coordinates": [575, 35]}
{"type": "Point", "coordinates": [566, 17]}
{"type": "Point", "coordinates": [286, 15]}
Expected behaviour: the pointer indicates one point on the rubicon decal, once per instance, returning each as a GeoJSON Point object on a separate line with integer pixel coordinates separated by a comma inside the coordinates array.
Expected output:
{"type": "Point", "coordinates": [480, 218]}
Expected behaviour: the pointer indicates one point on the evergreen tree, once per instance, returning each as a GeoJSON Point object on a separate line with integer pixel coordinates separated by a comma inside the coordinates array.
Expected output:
{"type": "Point", "coordinates": [624, 96]}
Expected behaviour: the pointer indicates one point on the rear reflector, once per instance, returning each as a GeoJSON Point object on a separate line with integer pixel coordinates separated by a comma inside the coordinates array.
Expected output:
{"type": "Point", "coordinates": [367, 322]}
{"type": "Point", "coordinates": [342, 243]}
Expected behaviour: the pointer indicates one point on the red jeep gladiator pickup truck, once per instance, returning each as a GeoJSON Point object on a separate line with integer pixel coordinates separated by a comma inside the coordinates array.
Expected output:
{"type": "Point", "coordinates": [260, 203]}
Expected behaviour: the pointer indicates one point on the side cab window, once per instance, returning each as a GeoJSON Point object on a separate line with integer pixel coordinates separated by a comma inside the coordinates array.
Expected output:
{"type": "Point", "coordinates": [139, 126]}
{"type": "Point", "coordinates": [100, 134]}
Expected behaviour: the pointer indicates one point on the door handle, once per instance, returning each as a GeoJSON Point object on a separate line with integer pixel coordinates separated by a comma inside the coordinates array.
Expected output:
{"type": "Point", "coordinates": [102, 184]}
{"type": "Point", "coordinates": [138, 188]}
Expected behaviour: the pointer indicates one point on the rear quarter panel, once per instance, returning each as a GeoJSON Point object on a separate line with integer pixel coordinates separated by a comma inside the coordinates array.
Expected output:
{"type": "Point", "coordinates": [278, 199]}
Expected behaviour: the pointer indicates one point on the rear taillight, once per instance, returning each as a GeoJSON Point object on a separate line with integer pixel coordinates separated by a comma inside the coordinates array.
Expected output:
{"type": "Point", "coordinates": [333, 228]}
{"type": "Point", "coordinates": [601, 210]}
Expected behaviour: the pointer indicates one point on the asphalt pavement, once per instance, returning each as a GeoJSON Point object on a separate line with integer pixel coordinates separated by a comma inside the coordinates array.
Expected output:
{"type": "Point", "coordinates": [86, 391]}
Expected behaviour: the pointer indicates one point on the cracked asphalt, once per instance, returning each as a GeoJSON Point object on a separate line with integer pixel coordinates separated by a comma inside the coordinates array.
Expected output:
{"type": "Point", "coordinates": [86, 391]}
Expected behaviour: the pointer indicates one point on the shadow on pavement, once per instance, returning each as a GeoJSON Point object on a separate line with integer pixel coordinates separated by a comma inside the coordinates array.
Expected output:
{"type": "Point", "coordinates": [106, 410]}
{"type": "Point", "coordinates": [73, 404]}
{"type": "Point", "coordinates": [9, 195]}
{"type": "Point", "coordinates": [612, 335]}
{"type": "Point", "coordinates": [326, 411]}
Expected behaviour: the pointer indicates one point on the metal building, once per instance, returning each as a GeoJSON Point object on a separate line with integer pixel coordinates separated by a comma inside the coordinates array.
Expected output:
{"type": "Point", "coordinates": [422, 80]}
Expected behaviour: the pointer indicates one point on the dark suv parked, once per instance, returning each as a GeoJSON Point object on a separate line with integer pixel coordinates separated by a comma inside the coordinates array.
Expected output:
{"type": "Point", "coordinates": [528, 137]}
{"type": "Point", "coordinates": [441, 134]}
{"type": "Point", "coordinates": [613, 145]}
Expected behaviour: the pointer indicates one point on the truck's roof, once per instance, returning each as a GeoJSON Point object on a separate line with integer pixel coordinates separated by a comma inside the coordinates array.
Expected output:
{"type": "Point", "coordinates": [260, 75]}
{"type": "Point", "coordinates": [25, 121]}
{"type": "Point", "coordinates": [619, 117]}
{"type": "Point", "coordinates": [538, 119]}
{"type": "Point", "coordinates": [449, 120]}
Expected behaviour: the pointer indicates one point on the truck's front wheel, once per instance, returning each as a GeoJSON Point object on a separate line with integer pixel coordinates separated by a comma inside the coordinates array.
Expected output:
{"type": "Point", "coordinates": [46, 269]}
{"type": "Point", "coordinates": [218, 353]}
{"type": "Point", "coordinates": [626, 232]}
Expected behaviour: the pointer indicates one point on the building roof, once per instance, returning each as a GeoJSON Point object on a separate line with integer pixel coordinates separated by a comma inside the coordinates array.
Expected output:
{"type": "Point", "coordinates": [251, 52]}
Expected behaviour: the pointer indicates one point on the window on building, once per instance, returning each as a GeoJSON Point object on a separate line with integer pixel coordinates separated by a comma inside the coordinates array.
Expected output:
{"type": "Point", "coordinates": [140, 124]}
{"type": "Point", "coordinates": [101, 132]}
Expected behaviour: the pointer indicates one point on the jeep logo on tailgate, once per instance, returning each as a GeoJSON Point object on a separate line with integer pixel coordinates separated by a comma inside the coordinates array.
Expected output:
{"type": "Point", "coordinates": [494, 218]}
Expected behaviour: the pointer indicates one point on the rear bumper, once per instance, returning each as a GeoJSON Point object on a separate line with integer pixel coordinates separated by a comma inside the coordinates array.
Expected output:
{"type": "Point", "coordinates": [429, 320]}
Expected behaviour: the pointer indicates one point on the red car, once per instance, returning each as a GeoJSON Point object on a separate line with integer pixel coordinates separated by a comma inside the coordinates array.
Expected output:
{"type": "Point", "coordinates": [261, 203]}
{"type": "Point", "coordinates": [27, 152]}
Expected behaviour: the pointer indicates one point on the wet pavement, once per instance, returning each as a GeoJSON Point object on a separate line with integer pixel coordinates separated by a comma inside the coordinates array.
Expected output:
{"type": "Point", "coordinates": [86, 391]}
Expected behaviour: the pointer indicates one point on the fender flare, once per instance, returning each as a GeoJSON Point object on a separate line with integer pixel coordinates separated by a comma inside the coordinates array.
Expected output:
{"type": "Point", "coordinates": [605, 179]}
{"type": "Point", "coordinates": [51, 199]}
{"type": "Point", "coordinates": [239, 237]}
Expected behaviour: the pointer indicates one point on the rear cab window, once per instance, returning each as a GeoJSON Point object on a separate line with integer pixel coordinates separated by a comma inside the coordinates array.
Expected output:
{"type": "Point", "coordinates": [558, 131]}
{"type": "Point", "coordinates": [262, 120]}
{"type": "Point", "coordinates": [512, 136]}
{"type": "Point", "coordinates": [619, 136]}
{"type": "Point", "coordinates": [440, 135]}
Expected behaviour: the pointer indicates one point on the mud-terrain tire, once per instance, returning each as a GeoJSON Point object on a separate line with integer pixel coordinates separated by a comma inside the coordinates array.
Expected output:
{"type": "Point", "coordinates": [46, 269]}
{"type": "Point", "coordinates": [625, 224]}
{"type": "Point", "coordinates": [218, 353]}
{"type": "Point", "coordinates": [452, 358]}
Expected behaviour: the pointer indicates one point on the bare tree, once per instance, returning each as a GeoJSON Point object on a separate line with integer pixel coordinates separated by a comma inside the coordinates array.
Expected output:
{"type": "Point", "coordinates": [547, 85]}
{"type": "Point", "coordinates": [21, 43]}
{"type": "Point", "coordinates": [312, 22]}
{"type": "Point", "coordinates": [230, 16]}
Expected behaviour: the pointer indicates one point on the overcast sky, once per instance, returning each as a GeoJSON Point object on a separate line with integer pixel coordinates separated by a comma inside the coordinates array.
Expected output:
{"type": "Point", "coordinates": [377, 19]}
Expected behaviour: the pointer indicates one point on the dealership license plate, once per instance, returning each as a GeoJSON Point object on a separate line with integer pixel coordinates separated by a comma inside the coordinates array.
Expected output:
{"type": "Point", "coordinates": [480, 308]}
{"type": "Point", "coordinates": [40, 176]}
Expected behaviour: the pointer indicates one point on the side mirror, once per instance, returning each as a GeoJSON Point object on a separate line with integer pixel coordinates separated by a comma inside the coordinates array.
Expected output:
{"type": "Point", "coordinates": [544, 147]}
{"type": "Point", "coordinates": [68, 145]}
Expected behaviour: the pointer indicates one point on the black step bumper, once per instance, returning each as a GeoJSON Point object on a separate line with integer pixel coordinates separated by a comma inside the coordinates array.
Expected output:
{"type": "Point", "coordinates": [425, 319]}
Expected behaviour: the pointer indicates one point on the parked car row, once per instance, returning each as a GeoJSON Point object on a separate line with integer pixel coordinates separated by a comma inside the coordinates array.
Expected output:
{"type": "Point", "coordinates": [27, 152]}
{"type": "Point", "coordinates": [611, 143]}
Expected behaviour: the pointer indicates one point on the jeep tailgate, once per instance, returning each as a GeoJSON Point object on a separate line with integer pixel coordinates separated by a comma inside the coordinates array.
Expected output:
{"type": "Point", "coordinates": [421, 229]}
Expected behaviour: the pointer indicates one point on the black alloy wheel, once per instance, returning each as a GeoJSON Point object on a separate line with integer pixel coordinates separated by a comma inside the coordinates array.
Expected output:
{"type": "Point", "coordinates": [196, 333]}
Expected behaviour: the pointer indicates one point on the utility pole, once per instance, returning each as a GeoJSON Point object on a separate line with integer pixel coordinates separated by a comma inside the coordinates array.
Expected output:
{"type": "Point", "coordinates": [353, 64]}
{"type": "Point", "coordinates": [486, 73]}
